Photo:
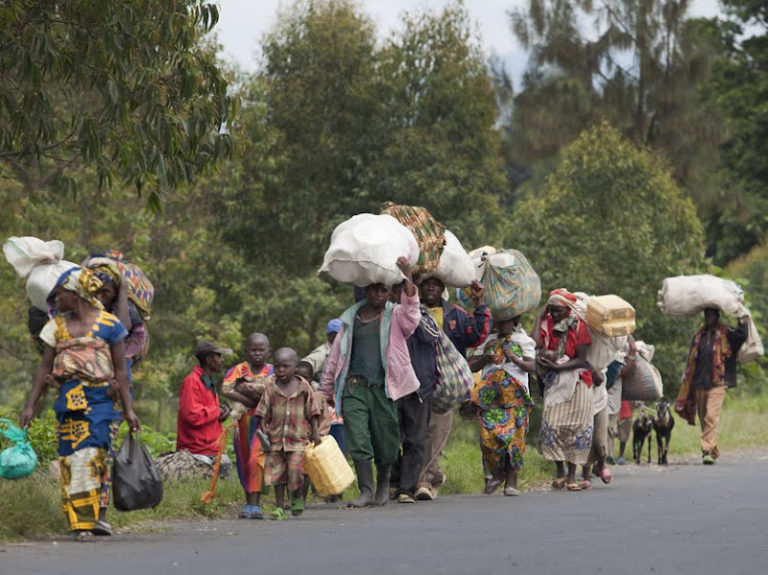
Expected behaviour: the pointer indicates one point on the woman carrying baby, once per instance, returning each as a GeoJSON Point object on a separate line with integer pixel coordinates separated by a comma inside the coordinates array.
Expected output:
{"type": "Point", "coordinates": [562, 341]}
{"type": "Point", "coordinates": [503, 400]}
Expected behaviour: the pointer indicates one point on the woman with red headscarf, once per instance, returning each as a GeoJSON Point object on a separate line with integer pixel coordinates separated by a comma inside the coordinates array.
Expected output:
{"type": "Point", "coordinates": [562, 340]}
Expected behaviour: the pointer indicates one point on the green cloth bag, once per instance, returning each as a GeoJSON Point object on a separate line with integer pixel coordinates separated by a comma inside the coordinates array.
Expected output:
{"type": "Point", "coordinates": [20, 459]}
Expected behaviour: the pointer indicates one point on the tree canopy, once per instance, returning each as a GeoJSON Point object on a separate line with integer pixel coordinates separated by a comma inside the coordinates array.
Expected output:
{"type": "Point", "coordinates": [123, 87]}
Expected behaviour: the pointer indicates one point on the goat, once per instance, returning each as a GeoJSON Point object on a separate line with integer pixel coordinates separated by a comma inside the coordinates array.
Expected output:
{"type": "Point", "coordinates": [663, 422]}
{"type": "Point", "coordinates": [641, 429]}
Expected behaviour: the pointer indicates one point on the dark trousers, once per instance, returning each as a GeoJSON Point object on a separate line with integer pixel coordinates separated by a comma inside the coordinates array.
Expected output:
{"type": "Point", "coordinates": [413, 415]}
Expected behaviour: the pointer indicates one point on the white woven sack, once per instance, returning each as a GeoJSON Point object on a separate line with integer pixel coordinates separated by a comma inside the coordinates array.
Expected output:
{"type": "Point", "coordinates": [684, 296]}
{"type": "Point", "coordinates": [365, 248]}
{"type": "Point", "coordinates": [42, 280]}
{"type": "Point", "coordinates": [26, 253]}
{"type": "Point", "coordinates": [40, 262]}
{"type": "Point", "coordinates": [456, 268]}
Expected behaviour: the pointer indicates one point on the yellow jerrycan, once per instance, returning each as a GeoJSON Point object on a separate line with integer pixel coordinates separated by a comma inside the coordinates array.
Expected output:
{"type": "Point", "coordinates": [327, 467]}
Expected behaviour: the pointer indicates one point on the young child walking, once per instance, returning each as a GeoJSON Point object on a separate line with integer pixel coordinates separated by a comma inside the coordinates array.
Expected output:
{"type": "Point", "coordinates": [291, 415]}
{"type": "Point", "coordinates": [304, 371]}
{"type": "Point", "coordinates": [244, 385]}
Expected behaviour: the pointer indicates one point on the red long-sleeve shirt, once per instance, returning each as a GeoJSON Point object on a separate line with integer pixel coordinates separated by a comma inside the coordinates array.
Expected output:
{"type": "Point", "coordinates": [197, 427]}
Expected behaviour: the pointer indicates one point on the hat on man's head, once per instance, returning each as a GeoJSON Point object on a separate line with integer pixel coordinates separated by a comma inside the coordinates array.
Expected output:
{"type": "Point", "coordinates": [334, 326]}
{"type": "Point", "coordinates": [204, 348]}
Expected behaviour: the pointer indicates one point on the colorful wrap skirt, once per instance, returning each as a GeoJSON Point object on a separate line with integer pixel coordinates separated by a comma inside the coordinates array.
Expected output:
{"type": "Point", "coordinates": [249, 455]}
{"type": "Point", "coordinates": [86, 418]}
{"type": "Point", "coordinates": [505, 405]}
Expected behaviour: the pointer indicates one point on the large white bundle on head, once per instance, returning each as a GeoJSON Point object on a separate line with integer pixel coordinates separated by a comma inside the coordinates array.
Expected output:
{"type": "Point", "coordinates": [684, 296]}
{"type": "Point", "coordinates": [364, 250]}
{"type": "Point", "coordinates": [456, 268]}
{"type": "Point", "coordinates": [40, 262]}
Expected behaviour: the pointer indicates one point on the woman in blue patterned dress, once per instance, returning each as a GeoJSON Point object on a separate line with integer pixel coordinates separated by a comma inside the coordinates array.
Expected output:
{"type": "Point", "coordinates": [84, 358]}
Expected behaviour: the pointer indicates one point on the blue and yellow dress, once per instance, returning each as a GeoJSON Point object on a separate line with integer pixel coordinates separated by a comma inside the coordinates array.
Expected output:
{"type": "Point", "coordinates": [84, 412]}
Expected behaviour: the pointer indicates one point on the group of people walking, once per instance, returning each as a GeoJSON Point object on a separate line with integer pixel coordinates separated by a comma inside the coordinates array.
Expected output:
{"type": "Point", "coordinates": [370, 385]}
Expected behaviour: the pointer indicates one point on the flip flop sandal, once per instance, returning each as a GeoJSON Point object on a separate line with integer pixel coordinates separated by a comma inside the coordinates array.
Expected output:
{"type": "Point", "coordinates": [511, 491]}
{"type": "Point", "coordinates": [297, 507]}
{"type": "Point", "coordinates": [573, 487]}
{"type": "Point", "coordinates": [84, 536]}
{"type": "Point", "coordinates": [102, 528]}
{"type": "Point", "coordinates": [585, 484]}
{"type": "Point", "coordinates": [256, 512]}
{"type": "Point", "coordinates": [245, 512]}
{"type": "Point", "coordinates": [491, 485]}
{"type": "Point", "coordinates": [558, 483]}
{"type": "Point", "coordinates": [606, 476]}
{"type": "Point", "coordinates": [279, 514]}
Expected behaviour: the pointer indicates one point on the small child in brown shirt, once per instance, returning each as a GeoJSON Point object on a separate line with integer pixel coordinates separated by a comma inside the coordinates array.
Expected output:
{"type": "Point", "coordinates": [291, 415]}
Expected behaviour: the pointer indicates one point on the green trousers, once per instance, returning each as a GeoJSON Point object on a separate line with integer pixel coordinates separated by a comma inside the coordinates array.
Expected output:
{"type": "Point", "coordinates": [371, 426]}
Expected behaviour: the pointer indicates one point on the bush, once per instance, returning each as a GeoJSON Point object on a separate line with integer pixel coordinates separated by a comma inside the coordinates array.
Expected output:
{"type": "Point", "coordinates": [611, 220]}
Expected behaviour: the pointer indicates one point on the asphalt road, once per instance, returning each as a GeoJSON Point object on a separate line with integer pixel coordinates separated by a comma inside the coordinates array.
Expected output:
{"type": "Point", "coordinates": [682, 519]}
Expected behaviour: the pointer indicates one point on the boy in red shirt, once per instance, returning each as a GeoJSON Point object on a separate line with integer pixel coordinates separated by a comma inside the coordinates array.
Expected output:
{"type": "Point", "coordinates": [291, 415]}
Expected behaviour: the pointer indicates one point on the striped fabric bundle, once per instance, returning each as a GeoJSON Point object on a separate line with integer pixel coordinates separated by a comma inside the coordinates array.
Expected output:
{"type": "Point", "coordinates": [140, 289]}
{"type": "Point", "coordinates": [429, 233]}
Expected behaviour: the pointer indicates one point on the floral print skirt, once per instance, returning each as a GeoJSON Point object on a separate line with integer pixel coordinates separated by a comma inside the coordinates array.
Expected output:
{"type": "Point", "coordinates": [504, 404]}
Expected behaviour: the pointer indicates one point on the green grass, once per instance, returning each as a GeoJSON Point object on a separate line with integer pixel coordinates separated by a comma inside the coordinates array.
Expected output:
{"type": "Point", "coordinates": [30, 507]}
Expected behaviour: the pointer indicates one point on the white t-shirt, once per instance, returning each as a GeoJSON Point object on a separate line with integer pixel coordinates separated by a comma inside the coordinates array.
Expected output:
{"type": "Point", "coordinates": [518, 337]}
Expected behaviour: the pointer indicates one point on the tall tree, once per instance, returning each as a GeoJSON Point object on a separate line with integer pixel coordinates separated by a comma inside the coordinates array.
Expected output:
{"type": "Point", "coordinates": [340, 126]}
{"type": "Point", "coordinates": [634, 63]}
{"type": "Point", "coordinates": [442, 145]}
{"type": "Point", "coordinates": [322, 110]}
{"type": "Point", "coordinates": [122, 86]}
{"type": "Point", "coordinates": [738, 89]}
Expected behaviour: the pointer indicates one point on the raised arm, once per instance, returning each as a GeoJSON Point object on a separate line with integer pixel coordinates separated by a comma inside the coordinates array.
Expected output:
{"type": "Point", "coordinates": [407, 315]}
{"type": "Point", "coordinates": [327, 379]}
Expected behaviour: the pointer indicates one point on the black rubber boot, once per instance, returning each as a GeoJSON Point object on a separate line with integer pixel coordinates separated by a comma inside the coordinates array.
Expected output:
{"type": "Point", "coordinates": [364, 470]}
{"type": "Point", "coordinates": [382, 484]}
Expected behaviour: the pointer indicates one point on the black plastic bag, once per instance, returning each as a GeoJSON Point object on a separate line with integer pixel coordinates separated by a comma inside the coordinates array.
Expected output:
{"type": "Point", "coordinates": [136, 483]}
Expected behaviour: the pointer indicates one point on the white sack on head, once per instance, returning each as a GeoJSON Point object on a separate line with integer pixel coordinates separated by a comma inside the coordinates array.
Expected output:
{"type": "Point", "coordinates": [456, 268]}
{"type": "Point", "coordinates": [40, 262]}
{"type": "Point", "coordinates": [26, 253]}
{"type": "Point", "coordinates": [684, 296]}
{"type": "Point", "coordinates": [365, 248]}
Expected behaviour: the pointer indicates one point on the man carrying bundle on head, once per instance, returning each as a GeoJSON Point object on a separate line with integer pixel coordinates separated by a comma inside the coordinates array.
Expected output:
{"type": "Point", "coordinates": [710, 371]}
{"type": "Point", "coordinates": [368, 369]}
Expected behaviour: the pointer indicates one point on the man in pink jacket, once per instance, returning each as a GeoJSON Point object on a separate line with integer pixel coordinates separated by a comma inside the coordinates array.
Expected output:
{"type": "Point", "coordinates": [367, 371]}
